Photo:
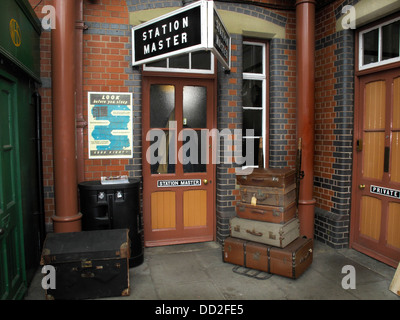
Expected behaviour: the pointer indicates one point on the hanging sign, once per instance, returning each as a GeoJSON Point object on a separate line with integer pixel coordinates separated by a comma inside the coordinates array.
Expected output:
{"type": "Point", "coordinates": [219, 40]}
{"type": "Point", "coordinates": [385, 191]}
{"type": "Point", "coordinates": [195, 27]}
{"type": "Point", "coordinates": [110, 125]}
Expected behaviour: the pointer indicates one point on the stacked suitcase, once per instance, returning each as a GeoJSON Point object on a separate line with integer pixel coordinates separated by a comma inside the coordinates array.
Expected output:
{"type": "Point", "coordinates": [265, 234]}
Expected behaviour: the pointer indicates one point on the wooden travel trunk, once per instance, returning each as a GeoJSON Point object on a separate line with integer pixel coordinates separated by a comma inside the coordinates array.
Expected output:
{"type": "Point", "coordinates": [266, 213]}
{"type": "Point", "coordinates": [274, 234]}
{"type": "Point", "coordinates": [273, 177]}
{"type": "Point", "coordinates": [291, 261]}
{"type": "Point", "coordinates": [267, 196]}
{"type": "Point", "coordinates": [88, 264]}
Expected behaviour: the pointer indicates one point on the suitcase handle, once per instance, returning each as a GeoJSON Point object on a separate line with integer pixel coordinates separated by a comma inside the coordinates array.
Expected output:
{"type": "Point", "coordinates": [258, 211]}
{"type": "Point", "coordinates": [273, 179]}
{"type": "Point", "coordinates": [254, 233]}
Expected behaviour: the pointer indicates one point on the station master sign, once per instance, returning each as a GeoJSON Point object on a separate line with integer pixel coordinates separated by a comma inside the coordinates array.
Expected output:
{"type": "Point", "coordinates": [192, 28]}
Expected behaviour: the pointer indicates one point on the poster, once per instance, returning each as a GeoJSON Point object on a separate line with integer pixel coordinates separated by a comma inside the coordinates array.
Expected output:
{"type": "Point", "coordinates": [110, 125]}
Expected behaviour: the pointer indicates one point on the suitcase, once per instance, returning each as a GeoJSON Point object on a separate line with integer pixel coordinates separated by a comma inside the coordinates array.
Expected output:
{"type": "Point", "coordinates": [266, 213]}
{"type": "Point", "coordinates": [291, 261]}
{"type": "Point", "coordinates": [280, 197]}
{"type": "Point", "coordinates": [273, 177]}
{"type": "Point", "coordinates": [274, 234]}
{"type": "Point", "coordinates": [88, 264]}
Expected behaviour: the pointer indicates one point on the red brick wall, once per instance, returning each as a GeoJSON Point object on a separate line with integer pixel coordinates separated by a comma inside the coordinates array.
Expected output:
{"type": "Point", "coordinates": [104, 66]}
{"type": "Point", "coordinates": [324, 105]}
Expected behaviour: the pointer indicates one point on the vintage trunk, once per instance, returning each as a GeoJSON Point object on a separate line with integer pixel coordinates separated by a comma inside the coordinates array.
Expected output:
{"type": "Point", "coordinates": [234, 251]}
{"type": "Point", "coordinates": [268, 196]}
{"type": "Point", "coordinates": [274, 234]}
{"type": "Point", "coordinates": [88, 264]}
{"type": "Point", "coordinates": [272, 177]}
{"type": "Point", "coordinates": [257, 256]}
{"type": "Point", "coordinates": [292, 260]}
{"type": "Point", "coordinates": [266, 213]}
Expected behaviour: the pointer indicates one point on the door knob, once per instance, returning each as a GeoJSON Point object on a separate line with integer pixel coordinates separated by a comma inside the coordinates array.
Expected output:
{"type": "Point", "coordinates": [205, 181]}
{"type": "Point", "coordinates": [2, 231]}
{"type": "Point", "coordinates": [361, 186]}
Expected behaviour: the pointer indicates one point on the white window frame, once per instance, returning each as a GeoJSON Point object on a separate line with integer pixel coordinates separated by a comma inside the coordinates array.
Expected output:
{"type": "Point", "coordinates": [380, 62]}
{"type": "Point", "coordinates": [183, 70]}
{"type": "Point", "coordinates": [263, 78]}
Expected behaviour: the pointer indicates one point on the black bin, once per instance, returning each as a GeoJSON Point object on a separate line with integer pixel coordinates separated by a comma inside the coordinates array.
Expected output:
{"type": "Point", "coordinates": [114, 206]}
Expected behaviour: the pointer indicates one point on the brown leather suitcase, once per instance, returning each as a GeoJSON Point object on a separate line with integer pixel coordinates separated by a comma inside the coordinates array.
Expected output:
{"type": "Point", "coordinates": [272, 177]}
{"type": "Point", "coordinates": [266, 213]}
{"type": "Point", "coordinates": [268, 196]}
{"type": "Point", "coordinates": [292, 260]}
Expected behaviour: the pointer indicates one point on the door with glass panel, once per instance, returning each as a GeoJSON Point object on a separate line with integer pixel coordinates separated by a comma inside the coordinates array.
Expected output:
{"type": "Point", "coordinates": [376, 187]}
{"type": "Point", "coordinates": [178, 173]}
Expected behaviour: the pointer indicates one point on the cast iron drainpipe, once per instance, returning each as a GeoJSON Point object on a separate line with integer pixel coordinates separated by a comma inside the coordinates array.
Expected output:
{"type": "Point", "coordinates": [305, 42]}
{"type": "Point", "coordinates": [66, 217]}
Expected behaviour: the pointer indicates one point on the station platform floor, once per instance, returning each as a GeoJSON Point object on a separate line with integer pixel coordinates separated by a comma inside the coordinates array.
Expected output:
{"type": "Point", "coordinates": [197, 272]}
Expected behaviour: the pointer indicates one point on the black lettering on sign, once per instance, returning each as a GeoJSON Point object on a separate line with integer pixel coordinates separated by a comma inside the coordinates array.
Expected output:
{"type": "Point", "coordinates": [178, 183]}
{"type": "Point", "coordinates": [385, 191]}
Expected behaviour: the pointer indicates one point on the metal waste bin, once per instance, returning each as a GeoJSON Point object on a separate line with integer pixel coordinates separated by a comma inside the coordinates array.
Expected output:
{"type": "Point", "coordinates": [114, 206]}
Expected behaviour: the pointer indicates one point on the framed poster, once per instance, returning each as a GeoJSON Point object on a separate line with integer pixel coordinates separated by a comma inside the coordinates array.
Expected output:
{"type": "Point", "coordinates": [110, 125]}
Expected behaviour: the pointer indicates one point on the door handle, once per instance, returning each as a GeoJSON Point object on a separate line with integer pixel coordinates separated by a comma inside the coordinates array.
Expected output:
{"type": "Point", "coordinates": [361, 186]}
{"type": "Point", "coordinates": [205, 181]}
{"type": "Point", "coordinates": [2, 231]}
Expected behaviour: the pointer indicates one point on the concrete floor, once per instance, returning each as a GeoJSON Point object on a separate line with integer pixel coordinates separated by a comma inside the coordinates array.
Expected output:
{"type": "Point", "coordinates": [197, 272]}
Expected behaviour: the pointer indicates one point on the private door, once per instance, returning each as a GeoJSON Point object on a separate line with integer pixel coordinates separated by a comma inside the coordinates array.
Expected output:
{"type": "Point", "coordinates": [12, 264]}
{"type": "Point", "coordinates": [178, 174]}
{"type": "Point", "coordinates": [376, 183]}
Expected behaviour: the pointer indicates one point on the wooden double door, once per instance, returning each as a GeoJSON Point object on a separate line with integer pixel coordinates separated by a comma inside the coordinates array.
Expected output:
{"type": "Point", "coordinates": [12, 259]}
{"type": "Point", "coordinates": [178, 172]}
{"type": "Point", "coordinates": [376, 170]}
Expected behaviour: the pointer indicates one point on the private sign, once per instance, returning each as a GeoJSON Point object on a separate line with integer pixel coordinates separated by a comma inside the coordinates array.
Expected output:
{"type": "Point", "coordinates": [192, 28]}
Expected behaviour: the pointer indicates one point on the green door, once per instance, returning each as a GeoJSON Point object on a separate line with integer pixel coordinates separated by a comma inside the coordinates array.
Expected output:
{"type": "Point", "coordinates": [12, 270]}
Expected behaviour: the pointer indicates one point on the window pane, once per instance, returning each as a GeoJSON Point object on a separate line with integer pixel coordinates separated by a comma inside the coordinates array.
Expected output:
{"type": "Point", "coordinates": [194, 152]}
{"type": "Point", "coordinates": [160, 153]}
{"type": "Point", "coordinates": [251, 159]}
{"type": "Point", "coordinates": [201, 60]}
{"type": "Point", "coordinates": [252, 93]}
{"type": "Point", "coordinates": [158, 64]}
{"type": "Point", "coordinates": [181, 61]}
{"type": "Point", "coordinates": [371, 43]}
{"type": "Point", "coordinates": [252, 59]}
{"type": "Point", "coordinates": [390, 41]}
{"type": "Point", "coordinates": [252, 120]}
{"type": "Point", "coordinates": [162, 105]}
{"type": "Point", "coordinates": [194, 107]}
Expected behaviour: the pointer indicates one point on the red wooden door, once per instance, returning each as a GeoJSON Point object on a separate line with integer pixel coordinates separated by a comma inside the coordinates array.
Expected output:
{"type": "Point", "coordinates": [178, 174]}
{"type": "Point", "coordinates": [376, 183]}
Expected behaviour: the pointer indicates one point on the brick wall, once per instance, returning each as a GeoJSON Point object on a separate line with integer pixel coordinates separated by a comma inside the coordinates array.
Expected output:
{"type": "Point", "coordinates": [106, 67]}
{"type": "Point", "coordinates": [334, 107]}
